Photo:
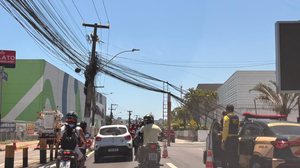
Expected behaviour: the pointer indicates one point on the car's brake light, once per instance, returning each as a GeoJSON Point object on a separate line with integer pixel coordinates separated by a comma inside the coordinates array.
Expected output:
{"type": "Point", "coordinates": [280, 144]}
{"type": "Point", "coordinates": [98, 138]}
{"type": "Point", "coordinates": [67, 152]}
{"type": "Point", "coordinates": [128, 137]}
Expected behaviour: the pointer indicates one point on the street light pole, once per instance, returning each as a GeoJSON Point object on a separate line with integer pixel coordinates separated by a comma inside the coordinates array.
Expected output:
{"type": "Point", "coordinates": [132, 50]}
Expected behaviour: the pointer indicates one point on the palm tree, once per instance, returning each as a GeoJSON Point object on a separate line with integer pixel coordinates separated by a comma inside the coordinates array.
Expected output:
{"type": "Point", "coordinates": [282, 103]}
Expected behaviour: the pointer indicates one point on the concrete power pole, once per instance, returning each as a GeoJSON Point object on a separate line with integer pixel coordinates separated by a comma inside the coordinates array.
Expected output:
{"type": "Point", "coordinates": [129, 113]}
{"type": "Point", "coordinates": [91, 71]}
{"type": "Point", "coordinates": [169, 119]}
{"type": "Point", "coordinates": [111, 113]}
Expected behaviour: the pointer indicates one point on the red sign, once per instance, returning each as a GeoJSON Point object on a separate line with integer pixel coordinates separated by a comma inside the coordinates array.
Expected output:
{"type": "Point", "coordinates": [8, 58]}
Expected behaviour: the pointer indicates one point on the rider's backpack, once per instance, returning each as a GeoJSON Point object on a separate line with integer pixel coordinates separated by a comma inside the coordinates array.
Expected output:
{"type": "Point", "coordinates": [69, 139]}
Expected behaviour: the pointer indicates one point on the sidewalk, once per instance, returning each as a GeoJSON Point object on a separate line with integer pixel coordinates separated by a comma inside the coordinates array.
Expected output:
{"type": "Point", "coordinates": [19, 144]}
{"type": "Point", "coordinates": [181, 141]}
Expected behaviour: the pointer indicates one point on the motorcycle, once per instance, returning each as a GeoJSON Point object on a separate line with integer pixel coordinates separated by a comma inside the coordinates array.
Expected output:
{"type": "Point", "coordinates": [150, 156]}
{"type": "Point", "coordinates": [68, 159]}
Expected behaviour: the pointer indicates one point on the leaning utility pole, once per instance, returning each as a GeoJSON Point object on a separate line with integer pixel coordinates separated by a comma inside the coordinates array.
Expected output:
{"type": "Point", "coordinates": [91, 71]}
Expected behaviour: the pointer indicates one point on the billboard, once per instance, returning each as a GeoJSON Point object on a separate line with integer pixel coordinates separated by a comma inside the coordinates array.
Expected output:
{"type": "Point", "coordinates": [288, 55]}
{"type": "Point", "coordinates": [8, 58]}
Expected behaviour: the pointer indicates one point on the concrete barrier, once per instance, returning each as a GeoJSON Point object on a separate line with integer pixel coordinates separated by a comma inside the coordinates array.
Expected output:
{"type": "Point", "coordinates": [199, 135]}
{"type": "Point", "coordinates": [202, 134]}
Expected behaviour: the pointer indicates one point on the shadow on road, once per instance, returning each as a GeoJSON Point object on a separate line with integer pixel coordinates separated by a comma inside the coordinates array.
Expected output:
{"type": "Point", "coordinates": [112, 159]}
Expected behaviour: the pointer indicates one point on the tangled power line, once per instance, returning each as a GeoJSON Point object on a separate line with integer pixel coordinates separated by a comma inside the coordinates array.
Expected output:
{"type": "Point", "coordinates": [46, 23]}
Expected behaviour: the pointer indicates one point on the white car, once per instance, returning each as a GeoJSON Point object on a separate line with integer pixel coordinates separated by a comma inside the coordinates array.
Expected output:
{"type": "Point", "coordinates": [113, 140]}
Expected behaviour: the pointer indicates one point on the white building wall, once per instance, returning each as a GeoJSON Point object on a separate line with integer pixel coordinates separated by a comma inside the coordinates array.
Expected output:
{"type": "Point", "coordinates": [236, 91]}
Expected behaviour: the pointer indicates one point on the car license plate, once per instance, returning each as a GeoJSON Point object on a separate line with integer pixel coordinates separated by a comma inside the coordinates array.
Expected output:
{"type": "Point", "coordinates": [153, 156]}
{"type": "Point", "coordinates": [113, 150]}
{"type": "Point", "coordinates": [65, 164]}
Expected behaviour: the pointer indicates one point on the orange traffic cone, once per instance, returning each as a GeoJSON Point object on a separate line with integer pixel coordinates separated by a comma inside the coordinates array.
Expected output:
{"type": "Point", "coordinates": [165, 150]}
{"type": "Point", "coordinates": [209, 159]}
{"type": "Point", "coordinates": [15, 145]}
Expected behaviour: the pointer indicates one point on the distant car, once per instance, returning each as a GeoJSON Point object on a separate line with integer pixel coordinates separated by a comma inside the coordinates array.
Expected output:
{"type": "Point", "coordinates": [113, 140]}
{"type": "Point", "coordinates": [265, 141]}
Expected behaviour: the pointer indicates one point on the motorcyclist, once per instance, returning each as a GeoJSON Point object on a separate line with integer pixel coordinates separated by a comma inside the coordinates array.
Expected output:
{"type": "Point", "coordinates": [150, 133]}
{"type": "Point", "coordinates": [138, 138]}
{"type": "Point", "coordinates": [150, 130]}
{"type": "Point", "coordinates": [71, 121]}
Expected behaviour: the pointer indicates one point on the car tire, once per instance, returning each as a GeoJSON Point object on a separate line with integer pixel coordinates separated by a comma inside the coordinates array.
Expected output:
{"type": "Point", "coordinates": [97, 157]}
{"type": "Point", "coordinates": [204, 157]}
{"type": "Point", "coordinates": [256, 163]}
{"type": "Point", "coordinates": [130, 156]}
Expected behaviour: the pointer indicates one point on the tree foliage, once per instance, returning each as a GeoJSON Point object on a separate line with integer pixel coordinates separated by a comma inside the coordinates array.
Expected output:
{"type": "Point", "coordinates": [197, 102]}
{"type": "Point", "coordinates": [282, 103]}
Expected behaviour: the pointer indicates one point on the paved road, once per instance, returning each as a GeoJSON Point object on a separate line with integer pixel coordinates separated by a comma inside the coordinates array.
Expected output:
{"type": "Point", "coordinates": [182, 154]}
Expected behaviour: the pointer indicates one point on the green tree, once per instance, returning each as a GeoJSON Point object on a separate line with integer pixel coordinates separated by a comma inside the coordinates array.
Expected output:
{"type": "Point", "coordinates": [282, 103]}
{"type": "Point", "coordinates": [181, 116]}
{"type": "Point", "coordinates": [200, 102]}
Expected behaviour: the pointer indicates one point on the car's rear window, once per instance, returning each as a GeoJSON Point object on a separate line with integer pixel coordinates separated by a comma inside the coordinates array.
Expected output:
{"type": "Point", "coordinates": [286, 130]}
{"type": "Point", "coordinates": [113, 131]}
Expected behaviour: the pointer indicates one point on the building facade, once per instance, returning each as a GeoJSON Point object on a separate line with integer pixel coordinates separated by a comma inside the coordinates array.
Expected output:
{"type": "Point", "coordinates": [236, 91]}
{"type": "Point", "coordinates": [36, 85]}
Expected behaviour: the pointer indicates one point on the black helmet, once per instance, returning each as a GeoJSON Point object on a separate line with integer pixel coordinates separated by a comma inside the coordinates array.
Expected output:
{"type": "Point", "coordinates": [83, 125]}
{"type": "Point", "coordinates": [71, 118]}
{"type": "Point", "coordinates": [148, 119]}
{"type": "Point", "coordinates": [229, 108]}
{"type": "Point", "coordinates": [141, 123]}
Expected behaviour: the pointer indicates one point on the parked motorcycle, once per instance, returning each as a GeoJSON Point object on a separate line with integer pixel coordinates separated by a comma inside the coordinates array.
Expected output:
{"type": "Point", "coordinates": [149, 156]}
{"type": "Point", "coordinates": [68, 159]}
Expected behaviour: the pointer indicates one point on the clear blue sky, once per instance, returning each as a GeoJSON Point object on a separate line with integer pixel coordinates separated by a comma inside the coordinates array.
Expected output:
{"type": "Point", "coordinates": [182, 42]}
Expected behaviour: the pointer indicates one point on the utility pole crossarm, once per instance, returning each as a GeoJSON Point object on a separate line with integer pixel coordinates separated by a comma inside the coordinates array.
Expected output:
{"type": "Point", "coordinates": [96, 25]}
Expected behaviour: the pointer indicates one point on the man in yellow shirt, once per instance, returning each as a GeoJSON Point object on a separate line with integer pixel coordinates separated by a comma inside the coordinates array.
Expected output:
{"type": "Point", "coordinates": [150, 133]}
{"type": "Point", "coordinates": [230, 137]}
{"type": "Point", "coordinates": [150, 130]}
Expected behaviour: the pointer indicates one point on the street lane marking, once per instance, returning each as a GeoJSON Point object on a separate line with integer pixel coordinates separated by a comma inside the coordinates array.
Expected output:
{"type": "Point", "coordinates": [171, 165]}
{"type": "Point", "coordinates": [88, 155]}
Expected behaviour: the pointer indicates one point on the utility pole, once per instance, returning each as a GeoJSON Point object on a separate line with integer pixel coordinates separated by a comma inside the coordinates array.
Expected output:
{"type": "Point", "coordinates": [111, 113]}
{"type": "Point", "coordinates": [298, 118]}
{"type": "Point", "coordinates": [136, 118]}
{"type": "Point", "coordinates": [91, 71]}
{"type": "Point", "coordinates": [169, 119]}
{"type": "Point", "coordinates": [129, 113]}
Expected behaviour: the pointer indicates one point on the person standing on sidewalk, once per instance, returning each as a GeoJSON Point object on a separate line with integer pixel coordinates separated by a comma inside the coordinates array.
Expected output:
{"type": "Point", "coordinates": [230, 137]}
